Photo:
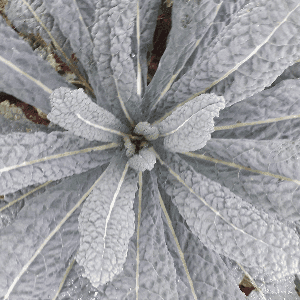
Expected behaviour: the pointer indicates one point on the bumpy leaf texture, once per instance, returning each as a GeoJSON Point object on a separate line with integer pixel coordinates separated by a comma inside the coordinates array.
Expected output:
{"type": "Point", "coordinates": [175, 190]}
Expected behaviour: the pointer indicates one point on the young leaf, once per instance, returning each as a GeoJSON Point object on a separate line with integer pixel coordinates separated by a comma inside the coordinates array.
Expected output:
{"type": "Point", "coordinates": [189, 127]}
{"type": "Point", "coordinates": [106, 223]}
{"type": "Point", "coordinates": [25, 74]}
{"type": "Point", "coordinates": [144, 160]}
{"type": "Point", "coordinates": [27, 159]}
{"type": "Point", "coordinates": [230, 226]}
{"type": "Point", "coordinates": [75, 111]}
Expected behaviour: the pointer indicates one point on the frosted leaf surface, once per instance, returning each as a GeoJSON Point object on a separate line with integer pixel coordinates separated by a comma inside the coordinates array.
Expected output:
{"type": "Point", "coordinates": [106, 223]}
{"type": "Point", "coordinates": [189, 127]}
{"type": "Point", "coordinates": [231, 226]}
{"type": "Point", "coordinates": [76, 112]}
{"type": "Point", "coordinates": [19, 150]}
{"type": "Point", "coordinates": [148, 131]}
{"type": "Point", "coordinates": [144, 160]}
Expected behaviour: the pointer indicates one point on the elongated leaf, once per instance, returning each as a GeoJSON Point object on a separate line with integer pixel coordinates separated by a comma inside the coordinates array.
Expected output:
{"type": "Point", "coordinates": [208, 272]}
{"type": "Point", "coordinates": [75, 111]}
{"type": "Point", "coordinates": [32, 260]}
{"type": "Point", "coordinates": [195, 25]}
{"type": "Point", "coordinates": [284, 289]}
{"type": "Point", "coordinates": [28, 15]}
{"type": "Point", "coordinates": [189, 127]}
{"type": "Point", "coordinates": [112, 53]}
{"type": "Point", "coordinates": [35, 17]}
{"type": "Point", "coordinates": [148, 11]}
{"type": "Point", "coordinates": [149, 272]}
{"type": "Point", "coordinates": [27, 159]}
{"type": "Point", "coordinates": [251, 169]}
{"type": "Point", "coordinates": [271, 114]}
{"type": "Point", "coordinates": [106, 223]}
{"type": "Point", "coordinates": [75, 19]}
{"type": "Point", "coordinates": [231, 226]}
{"type": "Point", "coordinates": [23, 73]}
{"type": "Point", "coordinates": [260, 41]}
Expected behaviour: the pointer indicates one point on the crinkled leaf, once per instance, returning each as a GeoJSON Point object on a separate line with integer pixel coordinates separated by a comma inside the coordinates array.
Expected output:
{"type": "Point", "coordinates": [32, 261]}
{"type": "Point", "coordinates": [12, 119]}
{"type": "Point", "coordinates": [292, 72]}
{"type": "Point", "coordinates": [112, 52]}
{"type": "Point", "coordinates": [189, 127]}
{"type": "Point", "coordinates": [208, 272]}
{"type": "Point", "coordinates": [155, 274]}
{"type": "Point", "coordinates": [28, 15]}
{"type": "Point", "coordinates": [251, 169]}
{"type": "Point", "coordinates": [195, 24]}
{"type": "Point", "coordinates": [25, 74]}
{"type": "Point", "coordinates": [36, 20]}
{"type": "Point", "coordinates": [260, 42]}
{"type": "Point", "coordinates": [75, 111]}
{"type": "Point", "coordinates": [278, 290]}
{"type": "Point", "coordinates": [147, 17]}
{"type": "Point", "coordinates": [25, 158]}
{"type": "Point", "coordinates": [75, 19]}
{"type": "Point", "coordinates": [271, 114]}
{"type": "Point", "coordinates": [144, 160]}
{"type": "Point", "coordinates": [231, 226]}
{"type": "Point", "coordinates": [106, 223]}
{"type": "Point", "coordinates": [154, 277]}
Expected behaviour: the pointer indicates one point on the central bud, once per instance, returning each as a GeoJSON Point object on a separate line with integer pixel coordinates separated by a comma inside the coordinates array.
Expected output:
{"type": "Point", "coordinates": [136, 144]}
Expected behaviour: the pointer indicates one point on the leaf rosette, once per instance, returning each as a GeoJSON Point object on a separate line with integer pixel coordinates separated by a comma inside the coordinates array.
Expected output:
{"type": "Point", "coordinates": [172, 190]}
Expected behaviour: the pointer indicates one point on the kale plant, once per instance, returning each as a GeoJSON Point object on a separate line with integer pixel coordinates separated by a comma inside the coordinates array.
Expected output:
{"type": "Point", "coordinates": [178, 189]}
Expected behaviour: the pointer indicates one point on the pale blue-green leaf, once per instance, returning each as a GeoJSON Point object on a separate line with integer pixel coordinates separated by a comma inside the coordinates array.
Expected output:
{"type": "Point", "coordinates": [78, 287]}
{"type": "Point", "coordinates": [23, 15]}
{"type": "Point", "coordinates": [208, 272]}
{"type": "Point", "coordinates": [231, 226]}
{"type": "Point", "coordinates": [264, 192]}
{"type": "Point", "coordinates": [32, 264]}
{"type": "Point", "coordinates": [271, 114]}
{"type": "Point", "coordinates": [114, 25]}
{"type": "Point", "coordinates": [189, 127]}
{"type": "Point", "coordinates": [146, 130]}
{"type": "Point", "coordinates": [148, 12]}
{"type": "Point", "coordinates": [13, 119]}
{"type": "Point", "coordinates": [75, 111]}
{"type": "Point", "coordinates": [156, 275]}
{"type": "Point", "coordinates": [260, 42]}
{"type": "Point", "coordinates": [31, 158]}
{"type": "Point", "coordinates": [13, 202]}
{"type": "Point", "coordinates": [278, 290]}
{"type": "Point", "coordinates": [292, 72]}
{"type": "Point", "coordinates": [195, 24]}
{"type": "Point", "coordinates": [258, 171]}
{"type": "Point", "coordinates": [75, 19]}
{"type": "Point", "coordinates": [144, 160]}
{"type": "Point", "coordinates": [106, 223]}
{"type": "Point", "coordinates": [34, 17]}
{"type": "Point", "coordinates": [25, 74]}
